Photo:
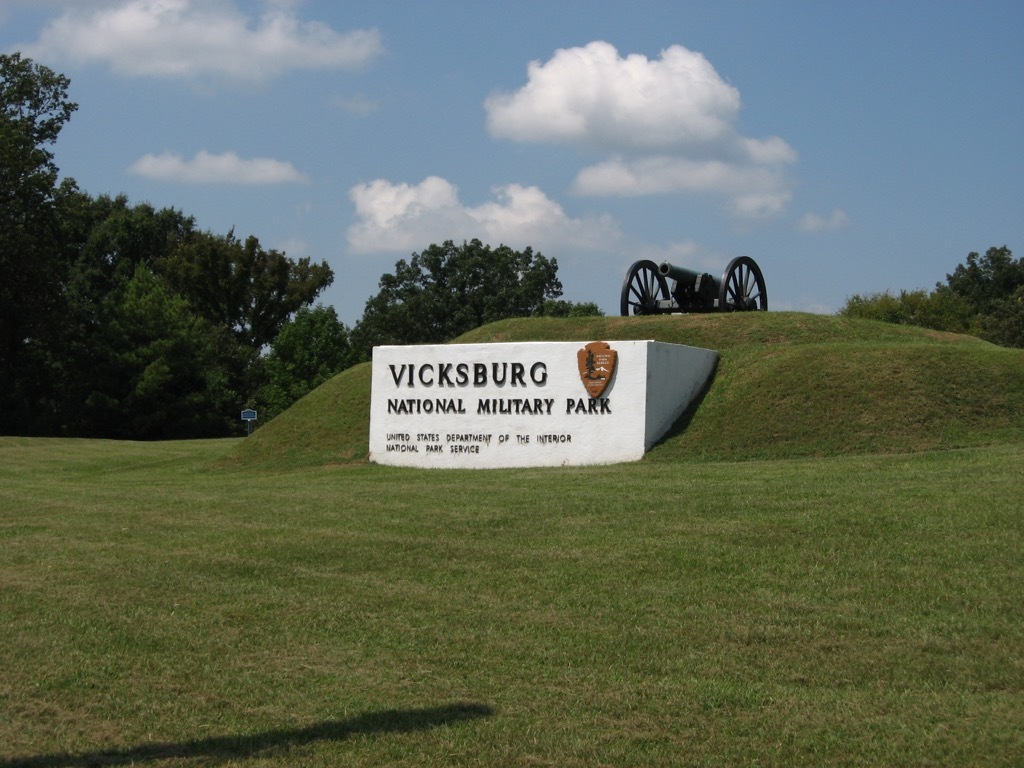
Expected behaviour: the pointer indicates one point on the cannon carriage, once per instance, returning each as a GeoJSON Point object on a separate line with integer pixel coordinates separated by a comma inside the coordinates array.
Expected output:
{"type": "Point", "coordinates": [646, 291]}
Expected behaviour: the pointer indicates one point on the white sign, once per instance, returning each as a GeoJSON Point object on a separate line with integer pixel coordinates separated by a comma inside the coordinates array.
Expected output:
{"type": "Point", "coordinates": [529, 404]}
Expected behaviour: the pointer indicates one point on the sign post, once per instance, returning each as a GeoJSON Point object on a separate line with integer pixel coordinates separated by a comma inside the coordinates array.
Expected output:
{"type": "Point", "coordinates": [248, 416]}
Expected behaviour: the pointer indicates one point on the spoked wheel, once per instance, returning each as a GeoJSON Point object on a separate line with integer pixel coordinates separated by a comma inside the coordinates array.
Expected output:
{"type": "Point", "coordinates": [642, 289]}
{"type": "Point", "coordinates": [742, 287]}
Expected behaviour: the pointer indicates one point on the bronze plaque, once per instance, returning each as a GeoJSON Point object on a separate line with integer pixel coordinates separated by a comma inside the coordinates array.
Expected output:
{"type": "Point", "coordinates": [596, 363]}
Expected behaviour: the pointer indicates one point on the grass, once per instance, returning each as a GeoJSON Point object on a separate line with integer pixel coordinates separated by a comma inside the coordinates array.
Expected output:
{"type": "Point", "coordinates": [820, 566]}
{"type": "Point", "coordinates": [788, 385]}
{"type": "Point", "coordinates": [852, 610]}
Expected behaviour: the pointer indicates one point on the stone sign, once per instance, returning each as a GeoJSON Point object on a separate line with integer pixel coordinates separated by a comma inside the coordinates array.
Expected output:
{"type": "Point", "coordinates": [529, 404]}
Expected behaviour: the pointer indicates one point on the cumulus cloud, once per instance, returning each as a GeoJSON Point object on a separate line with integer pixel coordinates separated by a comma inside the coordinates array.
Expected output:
{"type": "Point", "coordinates": [813, 222]}
{"type": "Point", "coordinates": [594, 96]}
{"type": "Point", "coordinates": [189, 38]}
{"type": "Point", "coordinates": [754, 192]}
{"type": "Point", "coordinates": [668, 125]}
{"type": "Point", "coordinates": [408, 217]}
{"type": "Point", "coordinates": [207, 168]}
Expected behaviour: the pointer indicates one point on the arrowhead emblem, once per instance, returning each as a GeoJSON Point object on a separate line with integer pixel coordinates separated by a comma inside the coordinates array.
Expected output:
{"type": "Point", "coordinates": [596, 363]}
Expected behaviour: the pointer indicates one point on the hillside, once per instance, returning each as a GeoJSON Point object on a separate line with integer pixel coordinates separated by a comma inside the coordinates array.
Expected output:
{"type": "Point", "coordinates": [787, 385]}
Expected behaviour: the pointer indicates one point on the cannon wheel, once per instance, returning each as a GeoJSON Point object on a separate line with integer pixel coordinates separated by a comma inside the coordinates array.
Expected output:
{"type": "Point", "coordinates": [642, 289]}
{"type": "Point", "coordinates": [742, 287]}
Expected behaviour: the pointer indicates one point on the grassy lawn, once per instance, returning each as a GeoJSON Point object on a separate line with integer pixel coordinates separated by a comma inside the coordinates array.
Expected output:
{"type": "Point", "coordinates": [788, 385]}
{"type": "Point", "coordinates": [161, 607]}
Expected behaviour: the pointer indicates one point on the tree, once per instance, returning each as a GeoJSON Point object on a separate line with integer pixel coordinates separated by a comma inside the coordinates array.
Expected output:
{"type": "Point", "coordinates": [984, 281]}
{"type": "Point", "coordinates": [113, 314]}
{"type": "Point", "coordinates": [156, 372]}
{"type": "Point", "coordinates": [241, 286]}
{"type": "Point", "coordinates": [33, 109]}
{"type": "Point", "coordinates": [940, 309]}
{"type": "Point", "coordinates": [563, 308]}
{"type": "Point", "coordinates": [311, 348]}
{"type": "Point", "coordinates": [1005, 323]}
{"type": "Point", "coordinates": [983, 297]}
{"type": "Point", "coordinates": [245, 290]}
{"type": "Point", "coordinates": [110, 237]}
{"type": "Point", "coordinates": [447, 290]}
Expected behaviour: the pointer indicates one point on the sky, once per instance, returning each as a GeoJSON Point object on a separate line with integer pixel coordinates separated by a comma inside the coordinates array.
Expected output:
{"type": "Point", "coordinates": [848, 147]}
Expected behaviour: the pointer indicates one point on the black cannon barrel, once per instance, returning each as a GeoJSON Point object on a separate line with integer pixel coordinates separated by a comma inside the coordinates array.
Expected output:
{"type": "Point", "coordinates": [681, 274]}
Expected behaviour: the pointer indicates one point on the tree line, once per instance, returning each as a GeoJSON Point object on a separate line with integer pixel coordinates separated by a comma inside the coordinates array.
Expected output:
{"type": "Point", "coordinates": [982, 297]}
{"type": "Point", "coordinates": [120, 320]}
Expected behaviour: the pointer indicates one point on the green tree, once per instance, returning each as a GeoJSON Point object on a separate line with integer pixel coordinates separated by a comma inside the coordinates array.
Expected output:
{"type": "Point", "coordinates": [311, 348]}
{"type": "Point", "coordinates": [241, 293]}
{"type": "Point", "coordinates": [447, 290]}
{"type": "Point", "coordinates": [884, 307]}
{"type": "Point", "coordinates": [110, 313]}
{"type": "Point", "coordinates": [983, 281]}
{"type": "Point", "coordinates": [105, 240]}
{"type": "Point", "coordinates": [112, 301]}
{"type": "Point", "coordinates": [33, 109]}
{"type": "Point", "coordinates": [1005, 323]}
{"type": "Point", "coordinates": [109, 237]}
{"type": "Point", "coordinates": [247, 291]}
{"type": "Point", "coordinates": [241, 286]}
{"type": "Point", "coordinates": [157, 375]}
{"type": "Point", "coordinates": [563, 308]}
{"type": "Point", "coordinates": [941, 309]}
{"type": "Point", "coordinates": [983, 296]}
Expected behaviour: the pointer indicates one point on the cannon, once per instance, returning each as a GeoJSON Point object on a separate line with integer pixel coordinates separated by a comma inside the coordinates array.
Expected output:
{"type": "Point", "coordinates": [645, 291]}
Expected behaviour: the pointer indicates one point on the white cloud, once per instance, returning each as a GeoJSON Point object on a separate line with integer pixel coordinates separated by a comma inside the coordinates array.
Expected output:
{"type": "Point", "coordinates": [206, 168]}
{"type": "Point", "coordinates": [189, 38]}
{"type": "Point", "coordinates": [813, 222]}
{"type": "Point", "coordinates": [593, 96]}
{"type": "Point", "coordinates": [668, 124]}
{"type": "Point", "coordinates": [754, 191]}
{"type": "Point", "coordinates": [770, 151]}
{"type": "Point", "coordinates": [405, 217]}
{"type": "Point", "coordinates": [760, 205]}
{"type": "Point", "coordinates": [657, 175]}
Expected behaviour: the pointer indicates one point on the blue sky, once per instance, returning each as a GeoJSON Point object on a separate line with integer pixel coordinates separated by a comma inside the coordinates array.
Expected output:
{"type": "Point", "coordinates": [848, 147]}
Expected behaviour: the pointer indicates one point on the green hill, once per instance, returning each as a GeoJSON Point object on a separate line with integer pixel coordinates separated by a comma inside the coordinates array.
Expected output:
{"type": "Point", "coordinates": [787, 385]}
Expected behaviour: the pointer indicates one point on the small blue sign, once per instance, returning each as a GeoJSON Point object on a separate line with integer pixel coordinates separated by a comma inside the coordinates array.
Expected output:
{"type": "Point", "coordinates": [248, 416]}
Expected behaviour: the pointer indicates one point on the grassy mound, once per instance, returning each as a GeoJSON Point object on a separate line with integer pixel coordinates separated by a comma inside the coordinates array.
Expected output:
{"type": "Point", "coordinates": [787, 385]}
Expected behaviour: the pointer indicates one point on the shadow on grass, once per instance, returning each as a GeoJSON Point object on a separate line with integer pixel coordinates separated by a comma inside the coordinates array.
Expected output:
{"type": "Point", "coordinates": [222, 748]}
